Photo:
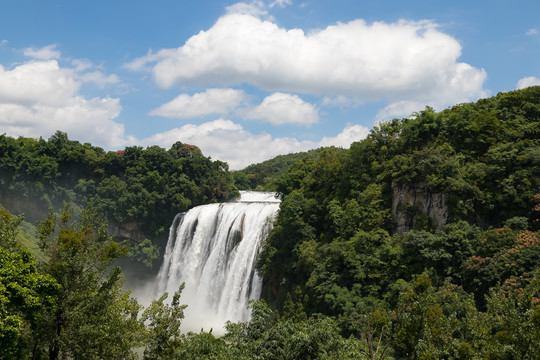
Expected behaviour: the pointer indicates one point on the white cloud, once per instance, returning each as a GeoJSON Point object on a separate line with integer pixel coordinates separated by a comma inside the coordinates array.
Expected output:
{"type": "Point", "coordinates": [142, 63]}
{"type": "Point", "coordinates": [3, 42]}
{"type": "Point", "coordinates": [277, 108]}
{"type": "Point", "coordinates": [39, 97]}
{"type": "Point", "coordinates": [229, 142]}
{"type": "Point", "coordinates": [211, 101]}
{"type": "Point", "coordinates": [528, 81]}
{"type": "Point", "coordinates": [406, 60]}
{"type": "Point", "coordinates": [341, 101]}
{"type": "Point", "coordinates": [82, 64]}
{"type": "Point", "coordinates": [45, 53]}
{"type": "Point", "coordinates": [37, 81]}
{"type": "Point", "coordinates": [280, 3]}
{"type": "Point", "coordinates": [399, 109]}
{"type": "Point", "coordinates": [462, 88]}
{"type": "Point", "coordinates": [97, 77]}
{"type": "Point", "coordinates": [254, 8]}
{"type": "Point", "coordinates": [280, 108]}
{"type": "Point", "coordinates": [532, 32]}
{"type": "Point", "coordinates": [346, 137]}
{"type": "Point", "coordinates": [101, 80]}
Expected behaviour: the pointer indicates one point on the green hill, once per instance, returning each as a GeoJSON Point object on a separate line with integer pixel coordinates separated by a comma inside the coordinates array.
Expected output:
{"type": "Point", "coordinates": [140, 190]}
{"type": "Point", "coordinates": [263, 176]}
{"type": "Point", "coordinates": [421, 241]}
{"type": "Point", "coordinates": [448, 199]}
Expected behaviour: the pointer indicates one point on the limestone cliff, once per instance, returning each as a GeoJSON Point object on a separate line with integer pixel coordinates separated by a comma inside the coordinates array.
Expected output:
{"type": "Point", "coordinates": [127, 231]}
{"type": "Point", "coordinates": [36, 210]}
{"type": "Point", "coordinates": [409, 201]}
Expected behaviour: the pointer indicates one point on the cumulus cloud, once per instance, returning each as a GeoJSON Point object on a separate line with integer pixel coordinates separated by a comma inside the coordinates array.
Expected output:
{"type": "Point", "coordinates": [37, 81]}
{"type": "Point", "coordinates": [528, 81]}
{"type": "Point", "coordinates": [406, 60]}
{"type": "Point", "coordinates": [230, 142]}
{"type": "Point", "coordinates": [399, 109]}
{"type": "Point", "coordinates": [532, 32]}
{"type": "Point", "coordinates": [97, 77]}
{"type": "Point", "coordinates": [460, 89]}
{"type": "Point", "coordinates": [45, 53]}
{"type": "Point", "coordinates": [346, 137]}
{"type": "Point", "coordinates": [277, 108]}
{"type": "Point", "coordinates": [211, 101]}
{"type": "Point", "coordinates": [280, 108]}
{"type": "Point", "coordinates": [39, 97]}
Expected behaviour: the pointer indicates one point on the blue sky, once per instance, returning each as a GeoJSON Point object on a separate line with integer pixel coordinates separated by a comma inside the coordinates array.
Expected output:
{"type": "Point", "coordinates": [246, 81]}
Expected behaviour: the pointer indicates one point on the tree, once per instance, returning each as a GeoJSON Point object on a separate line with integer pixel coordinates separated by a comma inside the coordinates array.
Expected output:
{"type": "Point", "coordinates": [501, 254]}
{"type": "Point", "coordinates": [514, 311]}
{"type": "Point", "coordinates": [438, 323]}
{"type": "Point", "coordinates": [375, 333]}
{"type": "Point", "coordinates": [445, 251]}
{"type": "Point", "coordinates": [265, 338]}
{"type": "Point", "coordinates": [203, 345]}
{"type": "Point", "coordinates": [92, 317]}
{"type": "Point", "coordinates": [8, 229]}
{"type": "Point", "coordinates": [163, 327]}
{"type": "Point", "coordinates": [24, 293]}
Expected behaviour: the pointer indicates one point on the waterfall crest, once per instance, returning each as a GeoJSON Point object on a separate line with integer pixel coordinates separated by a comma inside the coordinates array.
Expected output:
{"type": "Point", "coordinates": [213, 249]}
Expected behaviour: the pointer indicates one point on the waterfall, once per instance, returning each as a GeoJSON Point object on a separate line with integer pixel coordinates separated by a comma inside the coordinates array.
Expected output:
{"type": "Point", "coordinates": [213, 250]}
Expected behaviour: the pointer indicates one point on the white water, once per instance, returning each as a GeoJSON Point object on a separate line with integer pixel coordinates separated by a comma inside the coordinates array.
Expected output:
{"type": "Point", "coordinates": [213, 249]}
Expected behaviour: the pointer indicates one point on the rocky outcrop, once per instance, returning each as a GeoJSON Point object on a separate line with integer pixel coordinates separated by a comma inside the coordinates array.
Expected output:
{"type": "Point", "coordinates": [127, 231]}
{"type": "Point", "coordinates": [410, 201]}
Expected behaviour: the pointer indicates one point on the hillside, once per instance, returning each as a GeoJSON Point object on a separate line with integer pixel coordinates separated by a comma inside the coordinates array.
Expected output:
{"type": "Point", "coordinates": [262, 176]}
{"type": "Point", "coordinates": [421, 241]}
{"type": "Point", "coordinates": [434, 210]}
{"type": "Point", "coordinates": [140, 190]}
{"type": "Point", "coordinates": [477, 162]}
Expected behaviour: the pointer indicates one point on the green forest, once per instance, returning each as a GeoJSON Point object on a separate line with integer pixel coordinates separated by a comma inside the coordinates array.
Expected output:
{"type": "Point", "coordinates": [421, 241]}
{"type": "Point", "coordinates": [139, 190]}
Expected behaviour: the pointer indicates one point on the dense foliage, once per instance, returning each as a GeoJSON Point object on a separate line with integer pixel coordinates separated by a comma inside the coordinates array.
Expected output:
{"type": "Point", "coordinates": [144, 188]}
{"type": "Point", "coordinates": [72, 306]}
{"type": "Point", "coordinates": [262, 176]}
{"type": "Point", "coordinates": [338, 247]}
{"type": "Point", "coordinates": [420, 242]}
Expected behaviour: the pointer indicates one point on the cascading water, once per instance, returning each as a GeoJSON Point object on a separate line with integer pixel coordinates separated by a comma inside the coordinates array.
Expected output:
{"type": "Point", "coordinates": [213, 250]}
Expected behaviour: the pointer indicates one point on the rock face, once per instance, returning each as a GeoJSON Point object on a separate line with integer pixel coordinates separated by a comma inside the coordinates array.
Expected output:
{"type": "Point", "coordinates": [409, 201]}
{"type": "Point", "coordinates": [33, 209]}
{"type": "Point", "coordinates": [36, 210]}
{"type": "Point", "coordinates": [127, 231]}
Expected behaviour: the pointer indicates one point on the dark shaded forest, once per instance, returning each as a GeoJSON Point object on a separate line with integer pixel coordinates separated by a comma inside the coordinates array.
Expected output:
{"type": "Point", "coordinates": [420, 242]}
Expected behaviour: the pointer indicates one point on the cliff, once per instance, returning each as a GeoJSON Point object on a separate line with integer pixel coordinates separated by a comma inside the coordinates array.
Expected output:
{"type": "Point", "coordinates": [127, 231]}
{"type": "Point", "coordinates": [411, 201]}
{"type": "Point", "coordinates": [35, 210]}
